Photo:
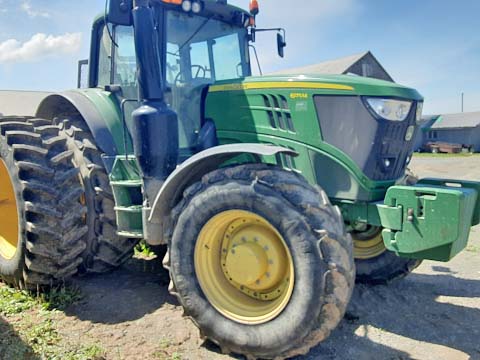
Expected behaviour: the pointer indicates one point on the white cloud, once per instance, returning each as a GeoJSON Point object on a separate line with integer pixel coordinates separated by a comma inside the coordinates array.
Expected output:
{"type": "Point", "coordinates": [33, 13]}
{"type": "Point", "coordinates": [40, 46]}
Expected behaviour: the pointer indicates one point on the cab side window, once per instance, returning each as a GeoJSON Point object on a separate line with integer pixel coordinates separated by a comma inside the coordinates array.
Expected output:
{"type": "Point", "coordinates": [125, 61]}
{"type": "Point", "coordinates": [117, 63]}
{"type": "Point", "coordinates": [104, 60]}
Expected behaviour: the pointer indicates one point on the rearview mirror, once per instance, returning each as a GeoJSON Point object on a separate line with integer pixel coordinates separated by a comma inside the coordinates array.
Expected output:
{"type": "Point", "coordinates": [281, 44]}
{"type": "Point", "coordinates": [120, 12]}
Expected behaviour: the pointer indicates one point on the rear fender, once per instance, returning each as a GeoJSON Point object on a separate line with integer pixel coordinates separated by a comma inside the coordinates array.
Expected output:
{"type": "Point", "coordinates": [98, 108]}
{"type": "Point", "coordinates": [192, 171]}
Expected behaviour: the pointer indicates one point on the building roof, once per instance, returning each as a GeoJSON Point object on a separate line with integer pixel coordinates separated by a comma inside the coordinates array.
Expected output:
{"type": "Point", "coordinates": [338, 66]}
{"type": "Point", "coordinates": [457, 121]}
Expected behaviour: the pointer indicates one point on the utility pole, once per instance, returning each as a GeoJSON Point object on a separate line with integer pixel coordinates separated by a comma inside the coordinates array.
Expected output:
{"type": "Point", "coordinates": [462, 101]}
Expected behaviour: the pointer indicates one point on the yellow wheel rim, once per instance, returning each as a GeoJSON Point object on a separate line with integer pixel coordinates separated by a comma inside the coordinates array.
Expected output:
{"type": "Point", "coordinates": [8, 215]}
{"type": "Point", "coordinates": [244, 267]}
{"type": "Point", "coordinates": [368, 244]}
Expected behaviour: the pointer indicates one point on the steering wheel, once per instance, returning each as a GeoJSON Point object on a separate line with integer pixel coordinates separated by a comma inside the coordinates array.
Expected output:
{"type": "Point", "coordinates": [200, 69]}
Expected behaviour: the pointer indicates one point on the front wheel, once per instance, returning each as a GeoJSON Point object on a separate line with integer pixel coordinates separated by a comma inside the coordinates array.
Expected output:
{"type": "Point", "coordinates": [374, 263]}
{"type": "Point", "coordinates": [260, 261]}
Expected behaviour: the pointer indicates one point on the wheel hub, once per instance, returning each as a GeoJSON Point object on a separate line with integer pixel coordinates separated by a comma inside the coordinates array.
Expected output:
{"type": "Point", "coordinates": [246, 263]}
{"type": "Point", "coordinates": [253, 260]}
{"type": "Point", "coordinates": [244, 267]}
{"type": "Point", "coordinates": [9, 215]}
{"type": "Point", "coordinates": [368, 244]}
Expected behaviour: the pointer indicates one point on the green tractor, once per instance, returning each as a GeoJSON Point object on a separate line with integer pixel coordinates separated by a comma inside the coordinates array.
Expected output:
{"type": "Point", "coordinates": [273, 194]}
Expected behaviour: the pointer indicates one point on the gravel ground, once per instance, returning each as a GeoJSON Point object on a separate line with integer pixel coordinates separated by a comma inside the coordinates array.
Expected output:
{"type": "Point", "coordinates": [432, 314]}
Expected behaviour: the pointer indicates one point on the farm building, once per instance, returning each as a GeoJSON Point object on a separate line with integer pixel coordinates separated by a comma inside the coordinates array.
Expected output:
{"type": "Point", "coordinates": [462, 128]}
{"type": "Point", "coordinates": [364, 64]}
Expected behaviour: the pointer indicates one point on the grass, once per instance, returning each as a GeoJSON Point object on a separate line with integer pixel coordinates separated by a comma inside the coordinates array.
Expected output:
{"type": "Point", "coordinates": [143, 251]}
{"type": "Point", "coordinates": [167, 351]}
{"type": "Point", "coordinates": [15, 301]}
{"type": "Point", "coordinates": [27, 325]}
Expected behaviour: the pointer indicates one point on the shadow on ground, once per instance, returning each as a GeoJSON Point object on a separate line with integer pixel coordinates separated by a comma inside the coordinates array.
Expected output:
{"type": "Point", "coordinates": [127, 294]}
{"type": "Point", "coordinates": [382, 322]}
{"type": "Point", "coordinates": [406, 311]}
{"type": "Point", "coordinates": [11, 344]}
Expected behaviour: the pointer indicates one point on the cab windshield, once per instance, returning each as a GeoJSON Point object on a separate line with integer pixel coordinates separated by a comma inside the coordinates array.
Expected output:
{"type": "Point", "coordinates": [204, 50]}
{"type": "Point", "coordinates": [200, 51]}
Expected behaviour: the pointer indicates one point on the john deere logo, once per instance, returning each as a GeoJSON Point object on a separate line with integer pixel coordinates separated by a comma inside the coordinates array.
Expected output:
{"type": "Point", "coordinates": [298, 96]}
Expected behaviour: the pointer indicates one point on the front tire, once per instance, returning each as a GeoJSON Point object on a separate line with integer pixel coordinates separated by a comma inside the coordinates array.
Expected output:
{"type": "Point", "coordinates": [375, 264]}
{"type": "Point", "coordinates": [262, 209]}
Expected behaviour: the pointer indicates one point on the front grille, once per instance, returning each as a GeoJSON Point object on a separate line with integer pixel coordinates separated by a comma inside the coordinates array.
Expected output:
{"type": "Point", "coordinates": [348, 125]}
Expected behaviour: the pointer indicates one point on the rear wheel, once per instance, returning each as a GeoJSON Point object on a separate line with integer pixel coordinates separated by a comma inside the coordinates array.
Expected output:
{"type": "Point", "coordinates": [42, 224]}
{"type": "Point", "coordinates": [260, 261]}
{"type": "Point", "coordinates": [105, 249]}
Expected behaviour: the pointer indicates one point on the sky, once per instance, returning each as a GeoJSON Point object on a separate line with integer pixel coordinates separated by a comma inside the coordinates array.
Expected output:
{"type": "Point", "coordinates": [430, 45]}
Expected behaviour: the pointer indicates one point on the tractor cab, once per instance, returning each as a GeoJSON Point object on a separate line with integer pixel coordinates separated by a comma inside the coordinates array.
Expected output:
{"type": "Point", "coordinates": [258, 256]}
{"type": "Point", "coordinates": [203, 42]}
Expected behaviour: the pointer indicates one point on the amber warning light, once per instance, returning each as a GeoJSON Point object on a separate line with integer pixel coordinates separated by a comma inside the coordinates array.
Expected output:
{"type": "Point", "coordinates": [254, 7]}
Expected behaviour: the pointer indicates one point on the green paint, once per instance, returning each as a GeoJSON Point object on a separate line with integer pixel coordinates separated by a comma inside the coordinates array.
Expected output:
{"type": "Point", "coordinates": [427, 221]}
{"type": "Point", "coordinates": [464, 184]}
{"type": "Point", "coordinates": [359, 212]}
{"type": "Point", "coordinates": [109, 108]}
{"type": "Point", "coordinates": [243, 116]}
{"type": "Point", "coordinates": [126, 182]}
{"type": "Point", "coordinates": [246, 114]}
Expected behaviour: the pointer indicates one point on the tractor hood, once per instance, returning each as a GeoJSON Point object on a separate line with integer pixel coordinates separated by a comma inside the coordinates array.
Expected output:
{"type": "Point", "coordinates": [327, 121]}
{"type": "Point", "coordinates": [345, 84]}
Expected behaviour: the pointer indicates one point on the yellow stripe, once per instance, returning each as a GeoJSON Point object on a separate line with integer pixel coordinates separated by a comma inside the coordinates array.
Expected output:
{"type": "Point", "coordinates": [279, 85]}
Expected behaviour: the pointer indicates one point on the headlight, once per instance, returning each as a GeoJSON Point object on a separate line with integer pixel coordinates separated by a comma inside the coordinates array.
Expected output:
{"type": "Point", "coordinates": [196, 7]}
{"type": "Point", "coordinates": [187, 5]}
{"type": "Point", "coordinates": [390, 109]}
{"type": "Point", "coordinates": [419, 111]}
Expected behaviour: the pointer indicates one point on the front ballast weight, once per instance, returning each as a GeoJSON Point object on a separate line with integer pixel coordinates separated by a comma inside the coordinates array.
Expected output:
{"type": "Point", "coordinates": [430, 220]}
{"type": "Point", "coordinates": [143, 215]}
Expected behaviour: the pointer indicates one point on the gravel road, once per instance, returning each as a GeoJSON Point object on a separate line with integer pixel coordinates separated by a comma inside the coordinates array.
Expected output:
{"type": "Point", "coordinates": [432, 314]}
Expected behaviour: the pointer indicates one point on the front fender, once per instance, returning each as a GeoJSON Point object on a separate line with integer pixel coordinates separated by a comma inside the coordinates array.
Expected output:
{"type": "Point", "coordinates": [192, 171]}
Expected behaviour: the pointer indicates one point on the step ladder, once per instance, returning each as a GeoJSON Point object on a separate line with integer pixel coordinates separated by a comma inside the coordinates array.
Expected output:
{"type": "Point", "coordinates": [126, 183]}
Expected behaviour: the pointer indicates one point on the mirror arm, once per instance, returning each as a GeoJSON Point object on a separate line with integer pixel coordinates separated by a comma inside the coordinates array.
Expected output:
{"type": "Point", "coordinates": [254, 30]}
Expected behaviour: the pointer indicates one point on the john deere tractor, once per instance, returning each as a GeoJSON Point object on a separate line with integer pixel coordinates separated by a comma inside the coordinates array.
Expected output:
{"type": "Point", "coordinates": [268, 191]}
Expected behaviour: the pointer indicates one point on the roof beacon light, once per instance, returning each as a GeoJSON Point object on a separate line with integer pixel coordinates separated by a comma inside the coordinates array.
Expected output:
{"type": "Point", "coordinates": [196, 7]}
{"type": "Point", "coordinates": [254, 9]}
{"type": "Point", "coordinates": [175, 2]}
{"type": "Point", "coordinates": [187, 5]}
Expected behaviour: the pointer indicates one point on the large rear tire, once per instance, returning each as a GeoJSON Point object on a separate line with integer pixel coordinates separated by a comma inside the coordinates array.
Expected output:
{"type": "Point", "coordinates": [260, 261]}
{"type": "Point", "coordinates": [105, 249]}
{"type": "Point", "coordinates": [42, 223]}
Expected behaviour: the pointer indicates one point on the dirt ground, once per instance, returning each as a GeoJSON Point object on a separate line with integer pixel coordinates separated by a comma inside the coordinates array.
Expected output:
{"type": "Point", "coordinates": [432, 314]}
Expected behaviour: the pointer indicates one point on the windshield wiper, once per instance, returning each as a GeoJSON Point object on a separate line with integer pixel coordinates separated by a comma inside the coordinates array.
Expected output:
{"type": "Point", "coordinates": [193, 35]}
